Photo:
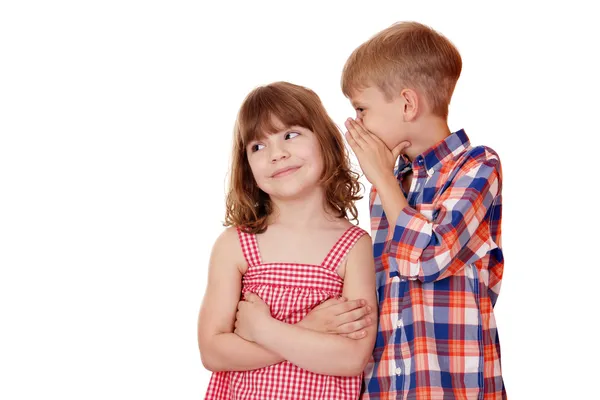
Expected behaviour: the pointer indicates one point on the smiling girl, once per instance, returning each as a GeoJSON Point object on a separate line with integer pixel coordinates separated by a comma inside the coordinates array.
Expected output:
{"type": "Point", "coordinates": [289, 248]}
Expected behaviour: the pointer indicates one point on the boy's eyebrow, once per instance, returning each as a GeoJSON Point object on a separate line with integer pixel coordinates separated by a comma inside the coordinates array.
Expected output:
{"type": "Point", "coordinates": [356, 103]}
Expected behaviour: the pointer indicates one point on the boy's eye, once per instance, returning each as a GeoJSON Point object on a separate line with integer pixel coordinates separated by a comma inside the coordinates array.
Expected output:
{"type": "Point", "coordinates": [256, 147]}
{"type": "Point", "coordinates": [291, 135]}
{"type": "Point", "coordinates": [360, 109]}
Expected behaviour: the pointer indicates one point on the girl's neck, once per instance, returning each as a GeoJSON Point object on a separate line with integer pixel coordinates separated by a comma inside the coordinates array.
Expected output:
{"type": "Point", "coordinates": [306, 212]}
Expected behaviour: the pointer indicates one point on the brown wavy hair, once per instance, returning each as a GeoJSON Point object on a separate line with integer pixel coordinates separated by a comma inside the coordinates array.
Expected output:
{"type": "Point", "coordinates": [247, 206]}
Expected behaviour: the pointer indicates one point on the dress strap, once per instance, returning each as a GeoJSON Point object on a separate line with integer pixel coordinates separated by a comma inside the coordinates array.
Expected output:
{"type": "Point", "coordinates": [341, 248]}
{"type": "Point", "coordinates": [249, 247]}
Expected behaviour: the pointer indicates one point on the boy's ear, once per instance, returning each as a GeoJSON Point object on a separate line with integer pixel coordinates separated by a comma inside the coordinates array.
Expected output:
{"type": "Point", "coordinates": [410, 103]}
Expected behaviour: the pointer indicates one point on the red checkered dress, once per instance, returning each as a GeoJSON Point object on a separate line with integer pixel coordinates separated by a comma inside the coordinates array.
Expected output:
{"type": "Point", "coordinates": [291, 291]}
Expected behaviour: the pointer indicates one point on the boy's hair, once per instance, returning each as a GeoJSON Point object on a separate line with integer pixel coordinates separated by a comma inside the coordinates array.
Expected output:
{"type": "Point", "coordinates": [406, 55]}
{"type": "Point", "coordinates": [247, 206]}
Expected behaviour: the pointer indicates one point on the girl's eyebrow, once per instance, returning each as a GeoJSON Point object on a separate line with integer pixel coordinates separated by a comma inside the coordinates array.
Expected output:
{"type": "Point", "coordinates": [284, 129]}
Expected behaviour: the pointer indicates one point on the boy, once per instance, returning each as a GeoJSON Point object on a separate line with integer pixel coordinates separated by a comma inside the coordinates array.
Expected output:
{"type": "Point", "coordinates": [435, 221]}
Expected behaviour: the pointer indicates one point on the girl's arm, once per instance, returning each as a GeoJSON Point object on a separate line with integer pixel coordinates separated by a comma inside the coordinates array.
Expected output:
{"type": "Point", "coordinates": [220, 348]}
{"type": "Point", "coordinates": [317, 352]}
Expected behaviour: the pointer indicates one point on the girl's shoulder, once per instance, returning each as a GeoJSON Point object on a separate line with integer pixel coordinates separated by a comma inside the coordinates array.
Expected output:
{"type": "Point", "coordinates": [348, 230]}
{"type": "Point", "coordinates": [349, 225]}
{"type": "Point", "coordinates": [227, 246]}
{"type": "Point", "coordinates": [228, 237]}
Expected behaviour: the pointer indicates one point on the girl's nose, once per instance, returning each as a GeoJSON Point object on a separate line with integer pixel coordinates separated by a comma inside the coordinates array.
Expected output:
{"type": "Point", "coordinates": [278, 153]}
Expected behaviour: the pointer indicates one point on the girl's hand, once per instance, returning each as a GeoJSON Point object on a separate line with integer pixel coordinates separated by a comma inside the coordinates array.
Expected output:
{"type": "Point", "coordinates": [341, 317]}
{"type": "Point", "coordinates": [251, 314]}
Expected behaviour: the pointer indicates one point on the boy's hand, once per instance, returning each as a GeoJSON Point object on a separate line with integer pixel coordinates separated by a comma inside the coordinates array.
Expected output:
{"type": "Point", "coordinates": [339, 316]}
{"type": "Point", "coordinates": [374, 157]}
{"type": "Point", "coordinates": [250, 315]}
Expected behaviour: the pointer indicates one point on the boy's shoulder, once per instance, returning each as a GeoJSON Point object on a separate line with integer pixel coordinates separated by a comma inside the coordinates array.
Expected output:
{"type": "Point", "coordinates": [475, 156]}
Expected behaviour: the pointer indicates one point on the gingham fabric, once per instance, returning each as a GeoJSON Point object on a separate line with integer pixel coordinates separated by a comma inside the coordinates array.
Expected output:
{"type": "Point", "coordinates": [439, 269]}
{"type": "Point", "coordinates": [291, 291]}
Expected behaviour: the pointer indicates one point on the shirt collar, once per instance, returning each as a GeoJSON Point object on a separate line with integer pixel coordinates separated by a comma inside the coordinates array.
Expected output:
{"type": "Point", "coordinates": [403, 167]}
{"type": "Point", "coordinates": [434, 157]}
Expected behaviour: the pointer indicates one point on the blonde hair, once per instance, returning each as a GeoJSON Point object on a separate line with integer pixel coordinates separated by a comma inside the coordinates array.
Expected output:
{"type": "Point", "coordinates": [247, 206]}
{"type": "Point", "coordinates": [406, 55]}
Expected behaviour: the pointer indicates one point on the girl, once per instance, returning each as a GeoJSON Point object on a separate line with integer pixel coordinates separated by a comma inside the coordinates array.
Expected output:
{"type": "Point", "coordinates": [290, 247]}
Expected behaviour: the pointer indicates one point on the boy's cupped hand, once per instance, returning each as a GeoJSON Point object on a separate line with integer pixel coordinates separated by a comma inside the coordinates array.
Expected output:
{"type": "Point", "coordinates": [376, 160]}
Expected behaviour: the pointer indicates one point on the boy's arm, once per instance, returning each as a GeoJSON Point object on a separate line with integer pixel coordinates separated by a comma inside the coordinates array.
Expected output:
{"type": "Point", "coordinates": [318, 352]}
{"type": "Point", "coordinates": [220, 348]}
{"type": "Point", "coordinates": [428, 250]}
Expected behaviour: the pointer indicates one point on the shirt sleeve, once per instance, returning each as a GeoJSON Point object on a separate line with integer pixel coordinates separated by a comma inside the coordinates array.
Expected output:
{"type": "Point", "coordinates": [458, 235]}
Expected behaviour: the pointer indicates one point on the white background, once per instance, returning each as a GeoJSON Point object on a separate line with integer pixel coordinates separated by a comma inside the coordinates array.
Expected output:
{"type": "Point", "coordinates": [116, 119]}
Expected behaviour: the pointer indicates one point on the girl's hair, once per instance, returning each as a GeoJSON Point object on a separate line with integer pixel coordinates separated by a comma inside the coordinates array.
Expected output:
{"type": "Point", "coordinates": [247, 206]}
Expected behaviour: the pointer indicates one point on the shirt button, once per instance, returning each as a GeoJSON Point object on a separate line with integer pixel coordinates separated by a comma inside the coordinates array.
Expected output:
{"type": "Point", "coordinates": [399, 323]}
{"type": "Point", "coordinates": [398, 371]}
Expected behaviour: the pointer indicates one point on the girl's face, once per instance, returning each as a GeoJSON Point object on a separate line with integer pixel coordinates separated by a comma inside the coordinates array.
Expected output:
{"type": "Point", "coordinates": [287, 164]}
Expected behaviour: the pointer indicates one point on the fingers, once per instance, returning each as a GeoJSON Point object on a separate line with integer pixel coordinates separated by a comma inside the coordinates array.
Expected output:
{"type": "Point", "coordinates": [353, 145]}
{"type": "Point", "coordinates": [240, 308]}
{"type": "Point", "coordinates": [356, 147]}
{"type": "Point", "coordinates": [353, 315]}
{"type": "Point", "coordinates": [347, 306]}
{"type": "Point", "coordinates": [355, 135]}
{"type": "Point", "coordinates": [236, 323]}
{"type": "Point", "coordinates": [356, 335]}
{"type": "Point", "coordinates": [400, 149]}
{"type": "Point", "coordinates": [356, 328]}
{"type": "Point", "coordinates": [363, 133]}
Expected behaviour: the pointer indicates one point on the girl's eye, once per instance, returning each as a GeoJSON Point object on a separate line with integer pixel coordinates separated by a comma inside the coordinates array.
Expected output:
{"type": "Point", "coordinates": [256, 147]}
{"type": "Point", "coordinates": [291, 135]}
{"type": "Point", "coordinates": [360, 109]}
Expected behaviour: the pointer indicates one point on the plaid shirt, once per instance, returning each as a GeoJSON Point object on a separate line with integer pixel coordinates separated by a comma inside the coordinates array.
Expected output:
{"type": "Point", "coordinates": [439, 271]}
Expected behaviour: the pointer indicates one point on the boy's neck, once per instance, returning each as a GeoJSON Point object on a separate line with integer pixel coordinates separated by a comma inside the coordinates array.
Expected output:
{"type": "Point", "coordinates": [426, 133]}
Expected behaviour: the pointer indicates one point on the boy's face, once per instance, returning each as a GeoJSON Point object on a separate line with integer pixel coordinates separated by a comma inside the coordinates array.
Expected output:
{"type": "Point", "coordinates": [381, 117]}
